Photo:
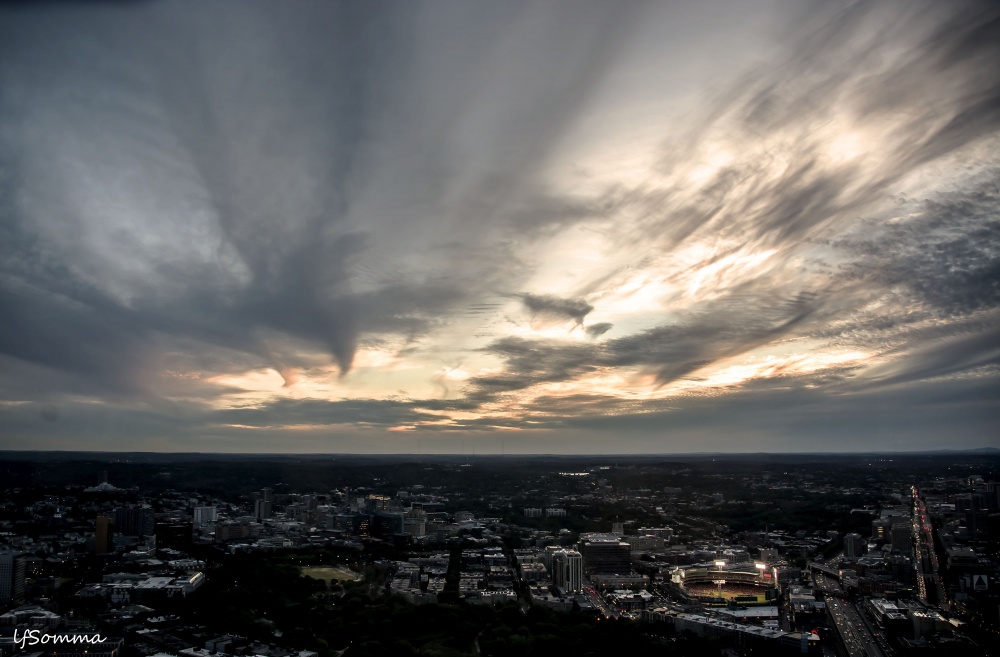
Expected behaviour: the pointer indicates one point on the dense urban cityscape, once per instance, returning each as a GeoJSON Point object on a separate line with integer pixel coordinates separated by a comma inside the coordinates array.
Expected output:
{"type": "Point", "coordinates": [430, 328]}
{"type": "Point", "coordinates": [193, 555]}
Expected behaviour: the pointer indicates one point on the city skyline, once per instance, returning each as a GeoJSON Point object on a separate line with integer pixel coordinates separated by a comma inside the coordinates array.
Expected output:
{"type": "Point", "coordinates": [500, 228]}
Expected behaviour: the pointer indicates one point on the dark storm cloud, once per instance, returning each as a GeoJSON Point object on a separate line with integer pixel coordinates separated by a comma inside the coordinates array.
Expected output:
{"type": "Point", "coordinates": [810, 420]}
{"type": "Point", "coordinates": [274, 127]}
{"type": "Point", "coordinates": [548, 307]}
{"type": "Point", "coordinates": [951, 356]}
{"type": "Point", "coordinates": [599, 329]}
{"type": "Point", "coordinates": [271, 126]}
{"type": "Point", "coordinates": [715, 330]}
{"type": "Point", "coordinates": [941, 263]}
{"type": "Point", "coordinates": [87, 426]}
{"type": "Point", "coordinates": [721, 329]}
{"type": "Point", "coordinates": [323, 424]}
{"type": "Point", "coordinates": [528, 362]}
{"type": "Point", "coordinates": [49, 412]}
{"type": "Point", "coordinates": [93, 340]}
{"type": "Point", "coordinates": [296, 271]}
{"type": "Point", "coordinates": [947, 256]}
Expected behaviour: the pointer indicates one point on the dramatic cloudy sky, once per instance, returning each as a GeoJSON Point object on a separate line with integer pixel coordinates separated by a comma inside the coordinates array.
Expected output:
{"type": "Point", "coordinates": [499, 226]}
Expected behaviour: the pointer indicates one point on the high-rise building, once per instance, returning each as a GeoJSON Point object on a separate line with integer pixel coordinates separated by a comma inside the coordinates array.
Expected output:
{"type": "Point", "coordinates": [902, 537]}
{"type": "Point", "coordinates": [993, 494]}
{"type": "Point", "coordinates": [854, 546]}
{"type": "Point", "coordinates": [174, 533]}
{"type": "Point", "coordinates": [205, 514]}
{"type": "Point", "coordinates": [229, 530]}
{"type": "Point", "coordinates": [880, 529]}
{"type": "Point", "coordinates": [557, 565]}
{"type": "Point", "coordinates": [606, 554]}
{"type": "Point", "coordinates": [415, 522]}
{"type": "Point", "coordinates": [12, 571]}
{"type": "Point", "coordinates": [102, 535]}
{"type": "Point", "coordinates": [567, 570]}
{"type": "Point", "coordinates": [135, 521]}
{"type": "Point", "coordinates": [387, 523]}
{"type": "Point", "coordinates": [547, 555]}
{"type": "Point", "coordinates": [262, 509]}
{"type": "Point", "coordinates": [361, 525]}
{"type": "Point", "coordinates": [901, 567]}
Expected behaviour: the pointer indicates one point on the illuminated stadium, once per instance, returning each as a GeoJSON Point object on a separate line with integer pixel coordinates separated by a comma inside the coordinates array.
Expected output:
{"type": "Point", "coordinates": [745, 584]}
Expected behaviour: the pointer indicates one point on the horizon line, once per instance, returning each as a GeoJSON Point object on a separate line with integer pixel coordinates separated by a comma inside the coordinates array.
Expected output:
{"type": "Point", "coordinates": [503, 455]}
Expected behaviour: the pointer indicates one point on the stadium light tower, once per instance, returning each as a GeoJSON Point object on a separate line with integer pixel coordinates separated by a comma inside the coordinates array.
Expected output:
{"type": "Point", "coordinates": [719, 582]}
{"type": "Point", "coordinates": [761, 567]}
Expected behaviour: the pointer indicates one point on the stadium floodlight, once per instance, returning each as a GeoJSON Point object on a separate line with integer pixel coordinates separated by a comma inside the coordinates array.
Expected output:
{"type": "Point", "coordinates": [720, 564]}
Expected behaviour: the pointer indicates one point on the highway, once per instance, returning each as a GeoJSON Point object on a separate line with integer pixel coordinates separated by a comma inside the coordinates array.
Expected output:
{"type": "Point", "coordinates": [828, 585]}
{"type": "Point", "coordinates": [825, 584]}
{"type": "Point", "coordinates": [874, 631]}
{"type": "Point", "coordinates": [855, 634]}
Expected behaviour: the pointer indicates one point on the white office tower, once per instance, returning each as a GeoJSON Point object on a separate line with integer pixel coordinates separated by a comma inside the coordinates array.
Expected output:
{"type": "Point", "coordinates": [567, 570]}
